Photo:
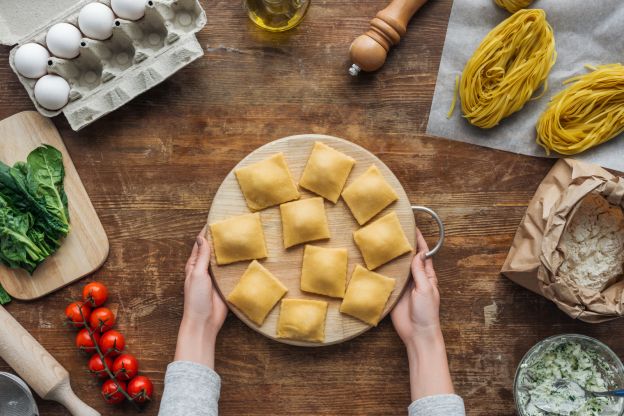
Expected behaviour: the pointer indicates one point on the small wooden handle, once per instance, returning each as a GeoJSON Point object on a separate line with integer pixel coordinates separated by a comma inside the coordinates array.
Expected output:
{"type": "Point", "coordinates": [65, 396]}
{"type": "Point", "coordinates": [35, 365]}
{"type": "Point", "coordinates": [368, 52]}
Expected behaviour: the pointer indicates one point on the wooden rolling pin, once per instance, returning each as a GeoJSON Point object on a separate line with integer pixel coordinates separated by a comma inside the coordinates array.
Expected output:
{"type": "Point", "coordinates": [37, 367]}
{"type": "Point", "coordinates": [368, 52]}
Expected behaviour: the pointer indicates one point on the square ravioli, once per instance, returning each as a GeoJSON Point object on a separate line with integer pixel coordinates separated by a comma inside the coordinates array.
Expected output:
{"type": "Point", "coordinates": [238, 238]}
{"type": "Point", "coordinates": [256, 293]}
{"type": "Point", "coordinates": [367, 295]}
{"type": "Point", "coordinates": [324, 271]}
{"type": "Point", "coordinates": [326, 172]}
{"type": "Point", "coordinates": [302, 320]}
{"type": "Point", "coordinates": [267, 183]}
{"type": "Point", "coordinates": [304, 221]}
{"type": "Point", "coordinates": [368, 195]}
{"type": "Point", "coordinates": [381, 241]}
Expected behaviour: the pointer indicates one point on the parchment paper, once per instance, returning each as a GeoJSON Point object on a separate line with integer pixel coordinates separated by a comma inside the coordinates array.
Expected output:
{"type": "Point", "coordinates": [586, 32]}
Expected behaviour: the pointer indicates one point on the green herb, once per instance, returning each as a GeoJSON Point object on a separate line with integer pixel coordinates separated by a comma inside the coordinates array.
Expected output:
{"type": "Point", "coordinates": [34, 217]}
{"type": "Point", "coordinates": [4, 296]}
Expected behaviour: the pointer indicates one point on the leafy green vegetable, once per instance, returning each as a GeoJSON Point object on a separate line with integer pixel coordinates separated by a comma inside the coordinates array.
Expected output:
{"type": "Point", "coordinates": [45, 174]}
{"type": "Point", "coordinates": [34, 216]}
{"type": "Point", "coordinates": [4, 296]}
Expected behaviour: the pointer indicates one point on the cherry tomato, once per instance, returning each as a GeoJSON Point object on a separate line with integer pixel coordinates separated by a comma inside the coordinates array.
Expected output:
{"type": "Point", "coordinates": [95, 294]}
{"type": "Point", "coordinates": [97, 367]}
{"type": "Point", "coordinates": [84, 341]}
{"type": "Point", "coordinates": [125, 367]}
{"type": "Point", "coordinates": [140, 389]}
{"type": "Point", "coordinates": [112, 343]}
{"type": "Point", "coordinates": [111, 392]}
{"type": "Point", "coordinates": [75, 318]}
{"type": "Point", "coordinates": [102, 319]}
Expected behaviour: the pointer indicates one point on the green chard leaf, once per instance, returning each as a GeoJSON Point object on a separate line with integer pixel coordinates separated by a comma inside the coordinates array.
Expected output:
{"type": "Point", "coordinates": [45, 175]}
{"type": "Point", "coordinates": [4, 296]}
{"type": "Point", "coordinates": [16, 247]}
{"type": "Point", "coordinates": [10, 190]}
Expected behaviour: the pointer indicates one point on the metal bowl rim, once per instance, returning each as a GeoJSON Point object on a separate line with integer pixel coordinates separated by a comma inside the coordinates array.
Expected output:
{"type": "Point", "coordinates": [555, 338]}
{"type": "Point", "coordinates": [23, 386]}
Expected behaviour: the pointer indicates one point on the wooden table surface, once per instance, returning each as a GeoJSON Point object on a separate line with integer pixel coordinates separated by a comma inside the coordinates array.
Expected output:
{"type": "Point", "coordinates": [152, 168]}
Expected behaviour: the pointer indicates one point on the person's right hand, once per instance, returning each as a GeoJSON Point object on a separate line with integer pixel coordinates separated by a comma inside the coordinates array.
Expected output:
{"type": "Point", "coordinates": [417, 313]}
{"type": "Point", "coordinates": [416, 318]}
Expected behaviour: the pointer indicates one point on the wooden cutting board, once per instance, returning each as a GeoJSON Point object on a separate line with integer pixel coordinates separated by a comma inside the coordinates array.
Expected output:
{"type": "Point", "coordinates": [286, 264]}
{"type": "Point", "coordinates": [86, 246]}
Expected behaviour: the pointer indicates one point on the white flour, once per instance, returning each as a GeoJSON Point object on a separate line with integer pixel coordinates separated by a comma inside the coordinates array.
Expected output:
{"type": "Point", "coordinates": [593, 244]}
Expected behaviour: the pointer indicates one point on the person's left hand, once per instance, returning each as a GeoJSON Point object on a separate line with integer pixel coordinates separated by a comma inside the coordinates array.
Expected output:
{"type": "Point", "coordinates": [202, 303]}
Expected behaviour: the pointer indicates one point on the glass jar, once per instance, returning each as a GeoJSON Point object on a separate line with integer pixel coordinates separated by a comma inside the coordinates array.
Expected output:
{"type": "Point", "coordinates": [276, 15]}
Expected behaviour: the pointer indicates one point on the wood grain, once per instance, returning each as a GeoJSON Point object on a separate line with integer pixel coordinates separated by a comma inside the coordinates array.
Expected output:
{"type": "Point", "coordinates": [153, 167]}
{"type": "Point", "coordinates": [286, 264]}
{"type": "Point", "coordinates": [86, 246]}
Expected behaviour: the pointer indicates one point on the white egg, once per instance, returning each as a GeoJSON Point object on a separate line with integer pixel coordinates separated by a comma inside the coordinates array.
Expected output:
{"type": "Point", "coordinates": [63, 40]}
{"type": "Point", "coordinates": [52, 92]}
{"type": "Point", "coordinates": [96, 21]}
{"type": "Point", "coordinates": [31, 60]}
{"type": "Point", "coordinates": [129, 9]}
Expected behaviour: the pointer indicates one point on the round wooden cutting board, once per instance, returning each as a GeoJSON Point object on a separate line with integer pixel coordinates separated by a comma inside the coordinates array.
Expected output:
{"type": "Point", "coordinates": [285, 264]}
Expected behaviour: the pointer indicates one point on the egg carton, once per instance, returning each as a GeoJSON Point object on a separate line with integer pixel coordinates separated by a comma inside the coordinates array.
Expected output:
{"type": "Point", "coordinates": [107, 74]}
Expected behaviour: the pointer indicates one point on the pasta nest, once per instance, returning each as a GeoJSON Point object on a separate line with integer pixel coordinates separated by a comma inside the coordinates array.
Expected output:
{"type": "Point", "coordinates": [587, 113]}
{"type": "Point", "coordinates": [509, 65]}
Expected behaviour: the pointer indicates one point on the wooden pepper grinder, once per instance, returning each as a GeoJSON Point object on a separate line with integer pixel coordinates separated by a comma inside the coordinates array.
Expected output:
{"type": "Point", "coordinates": [368, 52]}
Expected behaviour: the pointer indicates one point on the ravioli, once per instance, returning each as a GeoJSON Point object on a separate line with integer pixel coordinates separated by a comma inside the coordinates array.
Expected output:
{"type": "Point", "coordinates": [304, 221]}
{"type": "Point", "coordinates": [267, 183]}
{"type": "Point", "coordinates": [367, 295]}
{"type": "Point", "coordinates": [381, 241]}
{"type": "Point", "coordinates": [324, 271]}
{"type": "Point", "coordinates": [302, 320]}
{"type": "Point", "coordinates": [256, 293]}
{"type": "Point", "coordinates": [368, 195]}
{"type": "Point", "coordinates": [238, 238]}
{"type": "Point", "coordinates": [326, 171]}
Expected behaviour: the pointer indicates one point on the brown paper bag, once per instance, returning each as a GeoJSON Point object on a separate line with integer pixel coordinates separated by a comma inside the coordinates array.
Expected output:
{"type": "Point", "coordinates": [534, 258]}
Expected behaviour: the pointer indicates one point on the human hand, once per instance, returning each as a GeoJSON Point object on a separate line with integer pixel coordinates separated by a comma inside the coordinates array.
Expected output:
{"type": "Point", "coordinates": [416, 315]}
{"type": "Point", "coordinates": [204, 310]}
{"type": "Point", "coordinates": [416, 318]}
{"type": "Point", "coordinates": [202, 303]}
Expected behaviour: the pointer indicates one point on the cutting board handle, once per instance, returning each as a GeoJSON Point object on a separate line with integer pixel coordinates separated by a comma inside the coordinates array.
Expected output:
{"type": "Point", "coordinates": [437, 219]}
{"type": "Point", "coordinates": [36, 366]}
{"type": "Point", "coordinates": [64, 394]}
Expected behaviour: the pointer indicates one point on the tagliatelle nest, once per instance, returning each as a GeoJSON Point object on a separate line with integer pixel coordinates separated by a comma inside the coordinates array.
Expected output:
{"type": "Point", "coordinates": [587, 113]}
{"type": "Point", "coordinates": [511, 63]}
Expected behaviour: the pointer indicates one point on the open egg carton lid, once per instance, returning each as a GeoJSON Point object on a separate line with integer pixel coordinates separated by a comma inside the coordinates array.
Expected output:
{"type": "Point", "coordinates": [107, 74]}
{"type": "Point", "coordinates": [19, 18]}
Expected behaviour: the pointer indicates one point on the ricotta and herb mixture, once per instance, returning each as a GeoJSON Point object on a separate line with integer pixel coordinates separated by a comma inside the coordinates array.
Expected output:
{"type": "Point", "coordinates": [567, 360]}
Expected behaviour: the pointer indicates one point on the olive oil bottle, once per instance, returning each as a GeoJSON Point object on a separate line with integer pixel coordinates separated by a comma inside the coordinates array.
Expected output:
{"type": "Point", "coordinates": [276, 15]}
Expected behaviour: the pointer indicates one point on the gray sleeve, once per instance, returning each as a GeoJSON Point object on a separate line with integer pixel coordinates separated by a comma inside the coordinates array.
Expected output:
{"type": "Point", "coordinates": [191, 389]}
{"type": "Point", "coordinates": [439, 405]}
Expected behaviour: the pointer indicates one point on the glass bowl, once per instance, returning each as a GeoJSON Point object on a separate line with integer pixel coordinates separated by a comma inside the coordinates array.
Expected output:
{"type": "Point", "coordinates": [616, 380]}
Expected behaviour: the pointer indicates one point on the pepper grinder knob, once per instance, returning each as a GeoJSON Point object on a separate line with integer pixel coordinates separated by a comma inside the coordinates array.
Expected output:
{"type": "Point", "coordinates": [368, 52]}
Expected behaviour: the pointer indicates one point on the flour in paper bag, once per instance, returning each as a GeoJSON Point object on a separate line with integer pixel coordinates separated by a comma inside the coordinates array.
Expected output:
{"type": "Point", "coordinates": [593, 244]}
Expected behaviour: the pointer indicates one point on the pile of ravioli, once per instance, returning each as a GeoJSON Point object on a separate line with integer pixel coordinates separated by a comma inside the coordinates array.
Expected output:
{"type": "Point", "coordinates": [268, 183]}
